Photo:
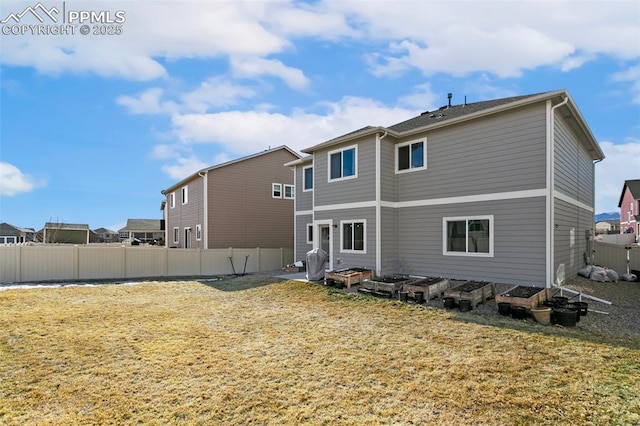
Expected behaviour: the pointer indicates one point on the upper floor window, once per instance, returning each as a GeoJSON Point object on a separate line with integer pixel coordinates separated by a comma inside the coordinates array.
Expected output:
{"type": "Point", "coordinates": [185, 194]}
{"type": "Point", "coordinates": [342, 163]}
{"type": "Point", "coordinates": [276, 190]}
{"type": "Point", "coordinates": [353, 236]}
{"type": "Point", "coordinates": [307, 176]}
{"type": "Point", "coordinates": [289, 191]}
{"type": "Point", "coordinates": [411, 156]}
{"type": "Point", "coordinates": [172, 200]}
{"type": "Point", "coordinates": [468, 236]}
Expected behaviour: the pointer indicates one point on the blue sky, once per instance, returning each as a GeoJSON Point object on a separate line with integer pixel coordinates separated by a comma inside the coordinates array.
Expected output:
{"type": "Point", "coordinates": [94, 126]}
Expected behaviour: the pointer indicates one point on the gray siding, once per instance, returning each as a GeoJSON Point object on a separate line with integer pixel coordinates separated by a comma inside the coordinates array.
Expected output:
{"type": "Point", "coordinates": [390, 258]}
{"type": "Point", "coordinates": [389, 183]}
{"type": "Point", "coordinates": [500, 153]}
{"type": "Point", "coordinates": [574, 169]}
{"type": "Point", "coordinates": [302, 247]}
{"type": "Point", "coordinates": [519, 245]}
{"type": "Point", "coordinates": [344, 260]}
{"type": "Point", "coordinates": [572, 226]}
{"type": "Point", "coordinates": [361, 188]}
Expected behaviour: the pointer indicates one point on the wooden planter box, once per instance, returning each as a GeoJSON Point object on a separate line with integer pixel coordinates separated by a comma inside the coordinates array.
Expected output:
{"type": "Point", "coordinates": [349, 277]}
{"type": "Point", "coordinates": [474, 291]}
{"type": "Point", "coordinates": [431, 287]}
{"type": "Point", "coordinates": [388, 284]}
{"type": "Point", "coordinates": [525, 296]}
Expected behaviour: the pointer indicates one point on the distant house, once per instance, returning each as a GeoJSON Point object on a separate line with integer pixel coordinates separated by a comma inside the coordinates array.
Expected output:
{"type": "Point", "coordinates": [65, 233]}
{"type": "Point", "coordinates": [145, 230]}
{"type": "Point", "coordinates": [499, 190]}
{"type": "Point", "coordinates": [608, 227]}
{"type": "Point", "coordinates": [629, 206]}
{"type": "Point", "coordinates": [10, 234]}
{"type": "Point", "coordinates": [104, 235]}
{"type": "Point", "coordinates": [246, 202]}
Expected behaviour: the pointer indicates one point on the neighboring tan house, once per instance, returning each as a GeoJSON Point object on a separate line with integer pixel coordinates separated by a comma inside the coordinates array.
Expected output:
{"type": "Point", "coordinates": [629, 206]}
{"type": "Point", "coordinates": [10, 234]}
{"type": "Point", "coordinates": [104, 235]}
{"type": "Point", "coordinates": [608, 227]}
{"type": "Point", "coordinates": [145, 230]}
{"type": "Point", "coordinates": [65, 233]}
{"type": "Point", "coordinates": [500, 190]}
{"type": "Point", "coordinates": [246, 202]}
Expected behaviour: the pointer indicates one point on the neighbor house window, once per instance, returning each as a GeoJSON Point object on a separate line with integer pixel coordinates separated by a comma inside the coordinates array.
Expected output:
{"type": "Point", "coordinates": [411, 156]}
{"type": "Point", "coordinates": [176, 235]}
{"type": "Point", "coordinates": [342, 163]}
{"type": "Point", "coordinates": [353, 236]}
{"type": "Point", "coordinates": [198, 232]}
{"type": "Point", "coordinates": [172, 199]}
{"type": "Point", "coordinates": [289, 191]}
{"type": "Point", "coordinates": [468, 236]}
{"type": "Point", "coordinates": [307, 173]}
{"type": "Point", "coordinates": [309, 233]}
{"type": "Point", "coordinates": [276, 190]}
{"type": "Point", "coordinates": [185, 194]}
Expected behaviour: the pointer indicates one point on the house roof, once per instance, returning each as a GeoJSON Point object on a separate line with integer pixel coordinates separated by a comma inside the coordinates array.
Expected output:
{"type": "Point", "coordinates": [143, 225]}
{"type": "Point", "coordinates": [67, 226]}
{"type": "Point", "coordinates": [634, 188]}
{"type": "Point", "coordinates": [450, 115]}
{"type": "Point", "coordinates": [228, 163]}
{"type": "Point", "coordinates": [103, 231]}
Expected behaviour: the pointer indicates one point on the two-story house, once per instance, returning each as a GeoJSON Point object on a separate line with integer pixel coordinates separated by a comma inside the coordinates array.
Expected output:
{"type": "Point", "coordinates": [246, 203]}
{"type": "Point", "coordinates": [629, 206]}
{"type": "Point", "coordinates": [500, 190]}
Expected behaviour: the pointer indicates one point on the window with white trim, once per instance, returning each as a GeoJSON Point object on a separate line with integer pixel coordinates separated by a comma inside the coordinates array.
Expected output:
{"type": "Point", "coordinates": [276, 190]}
{"type": "Point", "coordinates": [307, 176]}
{"type": "Point", "coordinates": [343, 163]}
{"type": "Point", "coordinates": [176, 234]}
{"type": "Point", "coordinates": [289, 191]}
{"type": "Point", "coordinates": [353, 236]}
{"type": "Point", "coordinates": [309, 233]}
{"type": "Point", "coordinates": [468, 236]}
{"type": "Point", "coordinates": [185, 194]}
{"type": "Point", "coordinates": [172, 200]}
{"type": "Point", "coordinates": [198, 232]}
{"type": "Point", "coordinates": [411, 156]}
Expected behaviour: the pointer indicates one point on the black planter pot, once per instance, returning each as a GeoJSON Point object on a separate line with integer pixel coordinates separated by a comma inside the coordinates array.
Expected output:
{"type": "Point", "coordinates": [575, 308]}
{"type": "Point", "coordinates": [504, 309]}
{"type": "Point", "coordinates": [583, 307]}
{"type": "Point", "coordinates": [565, 317]}
{"type": "Point", "coordinates": [403, 296]}
{"type": "Point", "coordinates": [418, 296]}
{"type": "Point", "coordinates": [560, 301]}
{"type": "Point", "coordinates": [329, 282]}
{"type": "Point", "coordinates": [518, 312]}
{"type": "Point", "coordinates": [465, 305]}
{"type": "Point", "coordinates": [449, 302]}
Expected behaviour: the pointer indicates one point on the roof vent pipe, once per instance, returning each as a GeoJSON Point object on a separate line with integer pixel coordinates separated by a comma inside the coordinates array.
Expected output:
{"type": "Point", "coordinates": [449, 96]}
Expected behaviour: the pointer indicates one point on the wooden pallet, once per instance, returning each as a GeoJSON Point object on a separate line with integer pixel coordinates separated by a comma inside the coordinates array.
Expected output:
{"type": "Point", "coordinates": [475, 291]}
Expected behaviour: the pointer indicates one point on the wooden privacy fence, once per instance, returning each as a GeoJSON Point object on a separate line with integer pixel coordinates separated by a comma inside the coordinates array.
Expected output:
{"type": "Point", "coordinates": [614, 256]}
{"type": "Point", "coordinates": [61, 262]}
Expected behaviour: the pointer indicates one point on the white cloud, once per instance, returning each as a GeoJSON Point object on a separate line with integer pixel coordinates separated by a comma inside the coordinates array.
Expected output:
{"type": "Point", "coordinates": [622, 163]}
{"type": "Point", "coordinates": [147, 102]}
{"type": "Point", "coordinates": [252, 67]}
{"type": "Point", "coordinates": [13, 181]}
{"type": "Point", "coordinates": [185, 166]}
{"type": "Point", "coordinates": [631, 75]}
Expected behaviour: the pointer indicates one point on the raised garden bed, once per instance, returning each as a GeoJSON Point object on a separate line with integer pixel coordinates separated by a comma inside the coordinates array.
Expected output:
{"type": "Point", "coordinates": [526, 296]}
{"type": "Point", "coordinates": [474, 291]}
{"type": "Point", "coordinates": [350, 276]}
{"type": "Point", "coordinates": [387, 284]}
{"type": "Point", "coordinates": [431, 287]}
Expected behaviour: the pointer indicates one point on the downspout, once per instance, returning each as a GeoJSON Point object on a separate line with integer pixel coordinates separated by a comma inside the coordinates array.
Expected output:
{"type": "Point", "coordinates": [378, 205]}
{"type": "Point", "coordinates": [205, 202]}
{"type": "Point", "coordinates": [165, 214]}
{"type": "Point", "coordinates": [550, 197]}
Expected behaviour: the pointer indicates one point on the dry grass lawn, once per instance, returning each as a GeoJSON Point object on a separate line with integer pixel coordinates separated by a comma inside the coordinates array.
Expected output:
{"type": "Point", "coordinates": [294, 353]}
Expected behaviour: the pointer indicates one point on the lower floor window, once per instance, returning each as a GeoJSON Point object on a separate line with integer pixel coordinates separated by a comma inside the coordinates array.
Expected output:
{"type": "Point", "coordinates": [468, 236]}
{"type": "Point", "coordinates": [176, 235]}
{"type": "Point", "coordinates": [198, 232]}
{"type": "Point", "coordinates": [353, 236]}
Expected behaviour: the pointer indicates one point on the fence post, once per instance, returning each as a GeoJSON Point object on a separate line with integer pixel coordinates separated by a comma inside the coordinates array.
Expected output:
{"type": "Point", "coordinates": [18, 264]}
{"type": "Point", "coordinates": [258, 263]}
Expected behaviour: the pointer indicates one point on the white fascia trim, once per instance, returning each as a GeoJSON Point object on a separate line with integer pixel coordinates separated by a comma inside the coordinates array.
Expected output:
{"type": "Point", "coordinates": [345, 206]}
{"type": "Point", "coordinates": [304, 213]}
{"type": "Point", "coordinates": [497, 196]}
{"type": "Point", "coordinates": [559, 195]}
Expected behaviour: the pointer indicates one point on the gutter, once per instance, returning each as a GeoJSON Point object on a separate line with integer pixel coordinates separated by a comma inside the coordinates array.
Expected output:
{"type": "Point", "coordinates": [378, 203]}
{"type": "Point", "coordinates": [205, 217]}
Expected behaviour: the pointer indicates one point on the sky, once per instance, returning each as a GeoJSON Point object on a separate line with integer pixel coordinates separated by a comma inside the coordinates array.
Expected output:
{"type": "Point", "coordinates": [93, 126]}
